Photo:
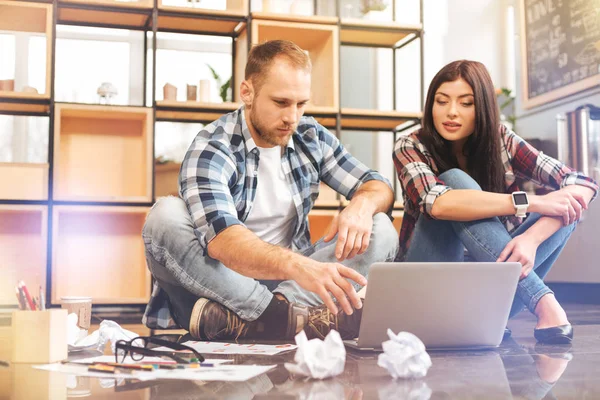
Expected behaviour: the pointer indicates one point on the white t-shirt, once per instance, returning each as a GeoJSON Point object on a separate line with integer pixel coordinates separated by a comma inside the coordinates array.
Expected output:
{"type": "Point", "coordinates": [273, 214]}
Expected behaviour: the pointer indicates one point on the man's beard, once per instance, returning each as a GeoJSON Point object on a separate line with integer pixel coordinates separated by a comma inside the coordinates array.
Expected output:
{"type": "Point", "coordinates": [266, 135]}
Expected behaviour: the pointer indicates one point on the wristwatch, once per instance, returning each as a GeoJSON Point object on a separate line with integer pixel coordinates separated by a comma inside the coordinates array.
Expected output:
{"type": "Point", "coordinates": [521, 203]}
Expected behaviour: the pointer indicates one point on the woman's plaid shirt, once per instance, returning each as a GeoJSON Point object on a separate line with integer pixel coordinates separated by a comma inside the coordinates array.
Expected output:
{"type": "Point", "coordinates": [418, 175]}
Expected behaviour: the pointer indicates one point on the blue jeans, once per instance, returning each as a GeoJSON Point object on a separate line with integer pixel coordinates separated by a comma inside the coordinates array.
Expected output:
{"type": "Point", "coordinates": [176, 261]}
{"type": "Point", "coordinates": [438, 241]}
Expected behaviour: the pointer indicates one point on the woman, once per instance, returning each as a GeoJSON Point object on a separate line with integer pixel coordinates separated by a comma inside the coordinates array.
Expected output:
{"type": "Point", "coordinates": [458, 174]}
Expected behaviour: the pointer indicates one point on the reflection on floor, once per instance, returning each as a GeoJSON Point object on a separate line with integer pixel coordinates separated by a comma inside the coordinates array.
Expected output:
{"type": "Point", "coordinates": [519, 368]}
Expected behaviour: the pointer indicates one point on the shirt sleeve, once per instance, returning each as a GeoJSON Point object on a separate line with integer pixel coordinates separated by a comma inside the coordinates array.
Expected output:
{"type": "Point", "coordinates": [531, 164]}
{"type": "Point", "coordinates": [421, 185]}
{"type": "Point", "coordinates": [340, 170]}
{"type": "Point", "coordinates": [206, 174]}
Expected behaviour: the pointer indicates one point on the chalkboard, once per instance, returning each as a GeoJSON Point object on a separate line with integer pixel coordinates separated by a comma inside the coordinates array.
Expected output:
{"type": "Point", "coordinates": [560, 48]}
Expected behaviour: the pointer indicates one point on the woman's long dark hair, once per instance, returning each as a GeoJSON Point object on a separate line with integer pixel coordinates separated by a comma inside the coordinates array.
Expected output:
{"type": "Point", "coordinates": [482, 148]}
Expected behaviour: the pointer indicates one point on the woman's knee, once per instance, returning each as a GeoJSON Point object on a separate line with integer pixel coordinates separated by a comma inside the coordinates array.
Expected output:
{"type": "Point", "coordinates": [459, 179]}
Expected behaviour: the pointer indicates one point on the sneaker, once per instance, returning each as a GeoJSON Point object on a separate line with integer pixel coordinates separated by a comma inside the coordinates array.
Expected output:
{"type": "Point", "coordinates": [321, 321]}
{"type": "Point", "coordinates": [213, 321]}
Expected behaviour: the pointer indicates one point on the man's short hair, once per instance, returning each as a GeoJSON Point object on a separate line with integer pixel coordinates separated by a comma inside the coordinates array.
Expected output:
{"type": "Point", "coordinates": [261, 58]}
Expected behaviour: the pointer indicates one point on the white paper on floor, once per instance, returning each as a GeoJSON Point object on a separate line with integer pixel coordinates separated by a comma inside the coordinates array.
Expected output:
{"type": "Point", "coordinates": [404, 356]}
{"type": "Point", "coordinates": [319, 359]}
{"type": "Point", "coordinates": [234, 348]}
{"type": "Point", "coordinates": [227, 373]}
{"type": "Point", "coordinates": [129, 360]}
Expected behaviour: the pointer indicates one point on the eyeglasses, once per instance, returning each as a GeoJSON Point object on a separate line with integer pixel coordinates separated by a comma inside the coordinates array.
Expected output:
{"type": "Point", "coordinates": [138, 349]}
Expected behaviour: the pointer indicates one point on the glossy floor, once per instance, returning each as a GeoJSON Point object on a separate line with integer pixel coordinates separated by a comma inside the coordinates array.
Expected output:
{"type": "Point", "coordinates": [519, 369]}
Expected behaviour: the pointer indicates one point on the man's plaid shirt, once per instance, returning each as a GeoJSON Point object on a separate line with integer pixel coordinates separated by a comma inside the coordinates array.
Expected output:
{"type": "Point", "coordinates": [218, 179]}
{"type": "Point", "coordinates": [418, 175]}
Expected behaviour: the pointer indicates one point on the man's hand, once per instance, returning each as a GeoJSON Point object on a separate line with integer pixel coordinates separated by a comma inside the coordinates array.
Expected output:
{"type": "Point", "coordinates": [562, 203]}
{"type": "Point", "coordinates": [353, 226]}
{"type": "Point", "coordinates": [521, 249]}
{"type": "Point", "coordinates": [325, 278]}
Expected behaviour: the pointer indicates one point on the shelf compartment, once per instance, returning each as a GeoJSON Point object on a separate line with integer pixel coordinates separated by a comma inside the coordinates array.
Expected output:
{"type": "Point", "coordinates": [318, 222]}
{"type": "Point", "coordinates": [168, 110]}
{"type": "Point", "coordinates": [375, 119]}
{"type": "Point", "coordinates": [202, 20]}
{"type": "Point", "coordinates": [312, 19]}
{"type": "Point", "coordinates": [29, 17]}
{"type": "Point", "coordinates": [321, 42]}
{"type": "Point", "coordinates": [166, 179]}
{"type": "Point", "coordinates": [98, 251]}
{"type": "Point", "coordinates": [121, 14]}
{"type": "Point", "coordinates": [103, 153]}
{"type": "Point", "coordinates": [24, 181]}
{"type": "Point", "coordinates": [23, 241]}
{"type": "Point", "coordinates": [377, 34]}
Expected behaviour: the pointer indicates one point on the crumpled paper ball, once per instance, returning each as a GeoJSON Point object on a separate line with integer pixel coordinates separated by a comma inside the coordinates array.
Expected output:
{"type": "Point", "coordinates": [404, 356]}
{"type": "Point", "coordinates": [108, 331]}
{"type": "Point", "coordinates": [318, 359]}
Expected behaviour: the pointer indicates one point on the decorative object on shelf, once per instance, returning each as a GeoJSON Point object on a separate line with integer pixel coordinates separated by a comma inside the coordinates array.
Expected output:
{"type": "Point", "coordinates": [169, 92]}
{"type": "Point", "coordinates": [7, 85]}
{"type": "Point", "coordinates": [204, 91]}
{"type": "Point", "coordinates": [223, 87]}
{"type": "Point", "coordinates": [375, 10]}
{"type": "Point", "coordinates": [192, 91]}
{"type": "Point", "coordinates": [29, 89]}
{"type": "Point", "coordinates": [107, 91]}
{"type": "Point", "coordinates": [506, 98]}
{"type": "Point", "coordinates": [194, 3]}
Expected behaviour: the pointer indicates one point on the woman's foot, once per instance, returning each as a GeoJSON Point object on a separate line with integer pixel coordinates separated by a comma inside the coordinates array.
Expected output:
{"type": "Point", "coordinates": [552, 327]}
{"type": "Point", "coordinates": [549, 313]}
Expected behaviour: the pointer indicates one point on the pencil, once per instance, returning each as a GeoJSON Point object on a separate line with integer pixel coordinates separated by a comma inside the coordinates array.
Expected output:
{"type": "Point", "coordinates": [19, 300]}
{"type": "Point", "coordinates": [27, 296]}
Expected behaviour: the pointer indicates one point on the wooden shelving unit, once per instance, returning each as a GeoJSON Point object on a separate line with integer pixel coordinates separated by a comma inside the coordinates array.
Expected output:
{"type": "Point", "coordinates": [321, 41]}
{"type": "Point", "coordinates": [23, 241]}
{"type": "Point", "coordinates": [231, 21]}
{"type": "Point", "coordinates": [166, 179]}
{"type": "Point", "coordinates": [123, 14]}
{"type": "Point", "coordinates": [376, 120]}
{"type": "Point", "coordinates": [319, 221]}
{"type": "Point", "coordinates": [101, 177]}
{"type": "Point", "coordinates": [103, 153]}
{"type": "Point", "coordinates": [192, 110]}
{"type": "Point", "coordinates": [377, 34]}
{"type": "Point", "coordinates": [98, 251]}
{"type": "Point", "coordinates": [24, 181]}
{"type": "Point", "coordinates": [21, 16]}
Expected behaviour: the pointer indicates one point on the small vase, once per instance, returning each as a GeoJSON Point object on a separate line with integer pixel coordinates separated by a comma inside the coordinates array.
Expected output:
{"type": "Point", "coordinates": [204, 91]}
{"type": "Point", "coordinates": [192, 91]}
{"type": "Point", "coordinates": [377, 16]}
{"type": "Point", "coordinates": [169, 92]}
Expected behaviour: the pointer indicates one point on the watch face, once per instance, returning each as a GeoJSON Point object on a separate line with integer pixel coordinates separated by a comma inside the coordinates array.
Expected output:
{"type": "Point", "coordinates": [520, 199]}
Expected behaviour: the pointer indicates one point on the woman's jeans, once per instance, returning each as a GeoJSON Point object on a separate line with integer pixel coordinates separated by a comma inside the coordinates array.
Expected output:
{"type": "Point", "coordinates": [484, 240]}
{"type": "Point", "coordinates": [176, 261]}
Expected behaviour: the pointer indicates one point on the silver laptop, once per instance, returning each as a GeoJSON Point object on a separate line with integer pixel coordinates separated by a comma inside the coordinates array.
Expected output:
{"type": "Point", "coordinates": [447, 305]}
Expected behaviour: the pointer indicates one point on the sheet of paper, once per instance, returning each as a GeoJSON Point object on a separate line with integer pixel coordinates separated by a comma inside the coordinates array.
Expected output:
{"type": "Point", "coordinates": [129, 360]}
{"type": "Point", "coordinates": [234, 348]}
{"type": "Point", "coordinates": [229, 373]}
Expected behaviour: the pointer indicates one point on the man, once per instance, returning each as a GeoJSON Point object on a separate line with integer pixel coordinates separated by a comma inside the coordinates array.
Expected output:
{"type": "Point", "coordinates": [232, 258]}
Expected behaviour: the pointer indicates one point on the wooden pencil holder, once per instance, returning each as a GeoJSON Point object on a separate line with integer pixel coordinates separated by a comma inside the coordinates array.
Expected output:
{"type": "Point", "coordinates": [39, 336]}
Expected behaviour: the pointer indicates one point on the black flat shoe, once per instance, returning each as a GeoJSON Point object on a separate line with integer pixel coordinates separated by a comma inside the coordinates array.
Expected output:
{"type": "Point", "coordinates": [507, 333]}
{"type": "Point", "coordinates": [562, 334]}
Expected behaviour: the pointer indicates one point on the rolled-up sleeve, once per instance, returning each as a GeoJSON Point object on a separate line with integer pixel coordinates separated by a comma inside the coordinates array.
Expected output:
{"type": "Point", "coordinates": [340, 170]}
{"type": "Point", "coordinates": [531, 164]}
{"type": "Point", "coordinates": [421, 185]}
{"type": "Point", "coordinates": [206, 174]}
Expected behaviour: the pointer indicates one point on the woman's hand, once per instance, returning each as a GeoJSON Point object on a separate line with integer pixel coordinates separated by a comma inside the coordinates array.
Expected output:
{"type": "Point", "coordinates": [565, 204]}
{"type": "Point", "coordinates": [521, 249]}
